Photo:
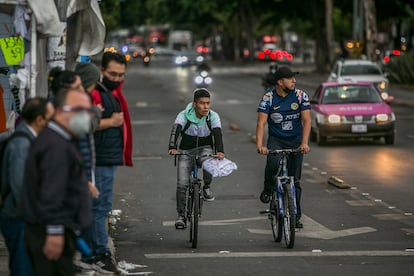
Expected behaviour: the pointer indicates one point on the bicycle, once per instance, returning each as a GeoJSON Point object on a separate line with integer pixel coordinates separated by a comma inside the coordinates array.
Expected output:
{"type": "Point", "coordinates": [195, 198]}
{"type": "Point", "coordinates": [282, 206]}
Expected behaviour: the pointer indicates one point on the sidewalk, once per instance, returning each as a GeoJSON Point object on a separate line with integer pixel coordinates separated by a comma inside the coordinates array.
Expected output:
{"type": "Point", "coordinates": [4, 258]}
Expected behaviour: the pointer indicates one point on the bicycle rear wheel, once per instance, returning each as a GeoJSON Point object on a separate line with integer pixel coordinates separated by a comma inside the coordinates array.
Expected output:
{"type": "Point", "coordinates": [194, 215]}
{"type": "Point", "coordinates": [289, 218]}
{"type": "Point", "coordinates": [275, 221]}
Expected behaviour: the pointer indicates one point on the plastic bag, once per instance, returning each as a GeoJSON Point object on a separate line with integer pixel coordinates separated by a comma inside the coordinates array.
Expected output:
{"type": "Point", "coordinates": [219, 168]}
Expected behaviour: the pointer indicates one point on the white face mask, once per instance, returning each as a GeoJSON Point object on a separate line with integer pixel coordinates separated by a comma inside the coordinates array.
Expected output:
{"type": "Point", "coordinates": [80, 123]}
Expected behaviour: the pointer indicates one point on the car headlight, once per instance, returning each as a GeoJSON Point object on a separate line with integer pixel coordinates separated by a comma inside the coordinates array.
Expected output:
{"type": "Point", "coordinates": [198, 80]}
{"type": "Point", "coordinates": [200, 59]}
{"type": "Point", "coordinates": [382, 85]}
{"type": "Point", "coordinates": [334, 119]}
{"type": "Point", "coordinates": [204, 74]}
{"type": "Point", "coordinates": [382, 118]}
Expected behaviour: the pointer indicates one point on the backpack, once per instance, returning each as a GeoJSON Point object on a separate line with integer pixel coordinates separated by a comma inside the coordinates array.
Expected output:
{"type": "Point", "coordinates": [3, 144]}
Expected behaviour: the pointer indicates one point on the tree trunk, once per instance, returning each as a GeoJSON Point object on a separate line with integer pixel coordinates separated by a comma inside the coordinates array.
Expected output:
{"type": "Point", "coordinates": [321, 58]}
{"type": "Point", "coordinates": [329, 31]}
{"type": "Point", "coordinates": [370, 29]}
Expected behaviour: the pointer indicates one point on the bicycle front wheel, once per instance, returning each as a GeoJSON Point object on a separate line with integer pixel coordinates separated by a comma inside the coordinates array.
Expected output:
{"type": "Point", "coordinates": [289, 218]}
{"type": "Point", "coordinates": [275, 221]}
{"type": "Point", "coordinates": [194, 215]}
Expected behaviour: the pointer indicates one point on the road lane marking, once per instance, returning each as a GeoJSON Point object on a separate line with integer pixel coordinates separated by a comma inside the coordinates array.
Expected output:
{"type": "Point", "coordinates": [312, 228]}
{"type": "Point", "coordinates": [360, 202]}
{"type": "Point", "coordinates": [315, 230]}
{"type": "Point", "coordinates": [219, 222]}
{"type": "Point", "coordinates": [365, 253]}
{"type": "Point", "coordinates": [147, 122]}
{"type": "Point", "coordinates": [392, 216]}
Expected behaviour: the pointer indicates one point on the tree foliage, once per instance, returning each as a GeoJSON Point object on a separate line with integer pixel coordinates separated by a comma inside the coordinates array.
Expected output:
{"type": "Point", "coordinates": [241, 22]}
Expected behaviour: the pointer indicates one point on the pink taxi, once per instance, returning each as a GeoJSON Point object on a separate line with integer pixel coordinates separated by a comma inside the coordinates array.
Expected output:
{"type": "Point", "coordinates": [350, 110]}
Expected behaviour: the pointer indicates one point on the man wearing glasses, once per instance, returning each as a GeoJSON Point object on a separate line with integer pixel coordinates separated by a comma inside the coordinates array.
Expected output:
{"type": "Point", "coordinates": [55, 205]}
{"type": "Point", "coordinates": [113, 143]}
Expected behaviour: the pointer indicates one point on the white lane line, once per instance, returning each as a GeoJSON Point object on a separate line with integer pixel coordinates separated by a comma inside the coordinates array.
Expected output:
{"type": "Point", "coordinates": [219, 222]}
{"type": "Point", "coordinates": [147, 122]}
{"type": "Point", "coordinates": [315, 230]}
{"type": "Point", "coordinates": [374, 253]}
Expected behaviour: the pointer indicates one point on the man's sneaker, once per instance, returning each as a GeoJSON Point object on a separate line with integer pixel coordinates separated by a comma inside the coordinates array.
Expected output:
{"type": "Point", "coordinates": [208, 194]}
{"type": "Point", "coordinates": [180, 223]}
{"type": "Point", "coordinates": [84, 264]}
{"type": "Point", "coordinates": [299, 224]}
{"type": "Point", "coordinates": [105, 264]}
{"type": "Point", "coordinates": [264, 197]}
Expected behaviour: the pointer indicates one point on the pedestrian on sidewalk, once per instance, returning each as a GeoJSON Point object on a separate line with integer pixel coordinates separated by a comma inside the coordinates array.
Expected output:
{"type": "Point", "coordinates": [35, 114]}
{"type": "Point", "coordinates": [55, 205]}
{"type": "Point", "coordinates": [113, 144]}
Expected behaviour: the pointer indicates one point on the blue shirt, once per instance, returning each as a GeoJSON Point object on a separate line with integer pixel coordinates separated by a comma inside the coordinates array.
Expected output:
{"type": "Point", "coordinates": [284, 114]}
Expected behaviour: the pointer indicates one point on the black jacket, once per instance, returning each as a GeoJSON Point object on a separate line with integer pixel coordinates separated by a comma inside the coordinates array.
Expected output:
{"type": "Point", "coordinates": [55, 189]}
{"type": "Point", "coordinates": [109, 142]}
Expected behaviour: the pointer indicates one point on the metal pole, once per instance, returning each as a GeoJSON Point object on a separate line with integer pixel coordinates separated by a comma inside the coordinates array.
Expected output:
{"type": "Point", "coordinates": [33, 57]}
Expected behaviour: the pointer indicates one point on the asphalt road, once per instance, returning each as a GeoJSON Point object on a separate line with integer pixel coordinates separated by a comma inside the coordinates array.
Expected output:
{"type": "Point", "coordinates": [365, 230]}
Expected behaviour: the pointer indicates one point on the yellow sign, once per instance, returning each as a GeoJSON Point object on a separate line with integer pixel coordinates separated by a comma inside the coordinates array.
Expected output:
{"type": "Point", "coordinates": [13, 49]}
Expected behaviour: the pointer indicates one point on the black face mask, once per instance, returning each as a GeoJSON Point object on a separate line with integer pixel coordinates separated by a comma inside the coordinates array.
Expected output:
{"type": "Point", "coordinates": [111, 85]}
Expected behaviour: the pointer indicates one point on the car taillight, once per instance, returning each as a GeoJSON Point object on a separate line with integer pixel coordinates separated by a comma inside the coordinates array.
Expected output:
{"type": "Point", "coordinates": [261, 55]}
{"type": "Point", "coordinates": [386, 59]}
{"type": "Point", "coordinates": [396, 52]}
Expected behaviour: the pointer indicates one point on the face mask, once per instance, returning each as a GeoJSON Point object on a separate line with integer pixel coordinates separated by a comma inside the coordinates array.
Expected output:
{"type": "Point", "coordinates": [111, 85]}
{"type": "Point", "coordinates": [80, 123]}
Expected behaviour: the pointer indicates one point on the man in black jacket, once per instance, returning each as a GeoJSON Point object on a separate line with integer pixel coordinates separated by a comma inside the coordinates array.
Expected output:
{"type": "Point", "coordinates": [55, 201]}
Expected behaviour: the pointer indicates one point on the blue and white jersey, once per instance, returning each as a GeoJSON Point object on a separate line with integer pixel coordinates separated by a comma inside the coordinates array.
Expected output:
{"type": "Point", "coordinates": [284, 114]}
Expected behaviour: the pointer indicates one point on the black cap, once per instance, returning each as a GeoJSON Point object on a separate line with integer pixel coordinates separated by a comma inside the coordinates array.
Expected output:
{"type": "Point", "coordinates": [284, 72]}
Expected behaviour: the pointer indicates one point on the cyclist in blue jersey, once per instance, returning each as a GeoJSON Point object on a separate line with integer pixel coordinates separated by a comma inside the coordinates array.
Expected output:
{"type": "Point", "coordinates": [200, 131]}
{"type": "Point", "coordinates": [286, 110]}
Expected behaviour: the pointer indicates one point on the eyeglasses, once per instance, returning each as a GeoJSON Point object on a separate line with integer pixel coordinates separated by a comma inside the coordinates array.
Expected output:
{"type": "Point", "coordinates": [68, 108]}
{"type": "Point", "coordinates": [115, 74]}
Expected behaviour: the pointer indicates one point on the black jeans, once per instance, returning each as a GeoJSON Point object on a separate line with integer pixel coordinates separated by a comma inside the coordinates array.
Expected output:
{"type": "Point", "coordinates": [35, 236]}
{"type": "Point", "coordinates": [294, 166]}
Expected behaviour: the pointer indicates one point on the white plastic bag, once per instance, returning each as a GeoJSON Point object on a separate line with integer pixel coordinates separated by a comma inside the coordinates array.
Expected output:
{"type": "Point", "coordinates": [219, 168]}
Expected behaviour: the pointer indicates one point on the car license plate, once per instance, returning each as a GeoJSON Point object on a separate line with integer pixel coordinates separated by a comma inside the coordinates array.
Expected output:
{"type": "Point", "coordinates": [360, 128]}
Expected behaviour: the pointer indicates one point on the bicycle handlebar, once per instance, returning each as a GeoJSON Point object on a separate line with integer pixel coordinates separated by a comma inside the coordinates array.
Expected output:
{"type": "Point", "coordinates": [275, 151]}
{"type": "Point", "coordinates": [195, 156]}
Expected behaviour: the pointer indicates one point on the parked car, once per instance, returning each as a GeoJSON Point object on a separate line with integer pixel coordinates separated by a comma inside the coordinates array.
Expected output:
{"type": "Point", "coordinates": [360, 70]}
{"type": "Point", "coordinates": [350, 110]}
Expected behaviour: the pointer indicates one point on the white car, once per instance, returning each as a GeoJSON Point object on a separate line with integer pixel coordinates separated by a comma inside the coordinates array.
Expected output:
{"type": "Point", "coordinates": [360, 70]}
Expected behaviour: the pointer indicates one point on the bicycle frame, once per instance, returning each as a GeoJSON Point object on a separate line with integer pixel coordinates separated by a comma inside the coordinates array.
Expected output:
{"type": "Point", "coordinates": [282, 179]}
{"type": "Point", "coordinates": [283, 210]}
{"type": "Point", "coordinates": [195, 199]}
